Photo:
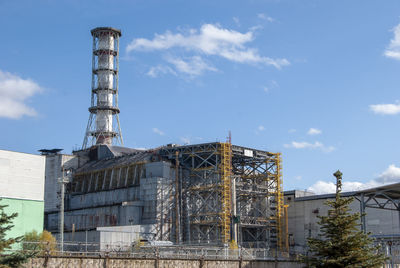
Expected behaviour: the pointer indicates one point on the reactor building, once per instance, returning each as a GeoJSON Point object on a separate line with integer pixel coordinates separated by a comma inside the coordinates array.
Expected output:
{"type": "Point", "coordinates": [202, 194]}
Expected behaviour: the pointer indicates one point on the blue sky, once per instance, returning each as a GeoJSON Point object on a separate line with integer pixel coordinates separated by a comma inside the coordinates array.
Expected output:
{"type": "Point", "coordinates": [315, 80]}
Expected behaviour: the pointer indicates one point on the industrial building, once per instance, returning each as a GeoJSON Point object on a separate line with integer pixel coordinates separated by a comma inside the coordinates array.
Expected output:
{"type": "Point", "coordinates": [380, 205]}
{"type": "Point", "coordinates": [211, 193]}
{"type": "Point", "coordinates": [22, 190]}
{"type": "Point", "coordinates": [182, 194]}
{"type": "Point", "coordinates": [214, 194]}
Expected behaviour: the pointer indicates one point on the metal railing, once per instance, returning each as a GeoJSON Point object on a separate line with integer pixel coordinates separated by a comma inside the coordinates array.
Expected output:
{"type": "Point", "coordinates": [190, 252]}
{"type": "Point", "coordinates": [125, 250]}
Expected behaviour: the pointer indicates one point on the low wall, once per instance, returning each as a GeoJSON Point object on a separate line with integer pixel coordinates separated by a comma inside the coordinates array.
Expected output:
{"type": "Point", "coordinates": [85, 262]}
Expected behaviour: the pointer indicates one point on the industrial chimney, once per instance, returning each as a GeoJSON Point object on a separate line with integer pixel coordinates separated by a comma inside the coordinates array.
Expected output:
{"type": "Point", "coordinates": [101, 128]}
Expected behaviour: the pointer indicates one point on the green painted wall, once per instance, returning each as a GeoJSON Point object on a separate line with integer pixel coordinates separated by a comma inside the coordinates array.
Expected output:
{"type": "Point", "coordinates": [30, 215]}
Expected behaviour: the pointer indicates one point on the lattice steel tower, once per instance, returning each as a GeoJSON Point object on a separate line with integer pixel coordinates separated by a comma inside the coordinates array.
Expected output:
{"type": "Point", "coordinates": [101, 128]}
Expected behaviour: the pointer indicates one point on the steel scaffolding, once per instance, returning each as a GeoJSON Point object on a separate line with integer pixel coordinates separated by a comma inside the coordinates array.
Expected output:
{"type": "Point", "coordinates": [259, 197]}
{"type": "Point", "coordinates": [205, 196]}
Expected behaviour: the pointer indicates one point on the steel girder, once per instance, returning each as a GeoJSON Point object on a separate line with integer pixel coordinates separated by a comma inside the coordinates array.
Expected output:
{"type": "Point", "coordinates": [259, 194]}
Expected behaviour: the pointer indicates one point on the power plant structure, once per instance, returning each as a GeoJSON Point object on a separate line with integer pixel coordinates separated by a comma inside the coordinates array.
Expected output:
{"type": "Point", "coordinates": [101, 128]}
{"type": "Point", "coordinates": [202, 194]}
{"type": "Point", "coordinates": [198, 197]}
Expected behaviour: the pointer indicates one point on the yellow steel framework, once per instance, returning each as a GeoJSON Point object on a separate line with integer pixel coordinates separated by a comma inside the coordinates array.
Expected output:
{"type": "Point", "coordinates": [280, 223]}
{"type": "Point", "coordinates": [226, 175]}
{"type": "Point", "coordinates": [259, 196]}
{"type": "Point", "coordinates": [208, 171]}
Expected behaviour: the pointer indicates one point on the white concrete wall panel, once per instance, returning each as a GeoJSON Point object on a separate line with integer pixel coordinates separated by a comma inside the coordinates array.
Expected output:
{"type": "Point", "coordinates": [22, 175]}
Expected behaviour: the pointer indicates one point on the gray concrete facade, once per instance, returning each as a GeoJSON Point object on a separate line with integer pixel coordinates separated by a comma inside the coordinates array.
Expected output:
{"type": "Point", "coordinates": [146, 200]}
{"type": "Point", "coordinates": [54, 165]}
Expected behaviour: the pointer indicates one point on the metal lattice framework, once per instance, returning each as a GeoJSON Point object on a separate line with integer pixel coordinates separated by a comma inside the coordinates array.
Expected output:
{"type": "Point", "coordinates": [384, 197]}
{"type": "Point", "coordinates": [259, 197]}
{"type": "Point", "coordinates": [208, 171]}
{"type": "Point", "coordinates": [101, 128]}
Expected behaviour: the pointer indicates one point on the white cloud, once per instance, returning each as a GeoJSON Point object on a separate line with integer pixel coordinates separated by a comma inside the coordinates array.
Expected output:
{"type": "Point", "coordinates": [194, 66]}
{"type": "Point", "coordinates": [325, 187]}
{"type": "Point", "coordinates": [314, 131]}
{"type": "Point", "coordinates": [388, 176]}
{"type": "Point", "coordinates": [393, 50]}
{"type": "Point", "coordinates": [259, 129]}
{"type": "Point", "coordinates": [271, 85]}
{"type": "Point", "coordinates": [211, 40]}
{"type": "Point", "coordinates": [185, 140]}
{"type": "Point", "coordinates": [188, 139]}
{"type": "Point", "coordinates": [307, 145]}
{"type": "Point", "coordinates": [157, 131]}
{"type": "Point", "coordinates": [262, 16]}
{"type": "Point", "coordinates": [14, 91]}
{"type": "Point", "coordinates": [156, 71]}
{"type": "Point", "coordinates": [322, 187]}
{"type": "Point", "coordinates": [385, 108]}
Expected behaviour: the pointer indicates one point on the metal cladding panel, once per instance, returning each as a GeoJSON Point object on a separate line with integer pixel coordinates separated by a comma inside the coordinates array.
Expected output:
{"type": "Point", "coordinates": [124, 236]}
{"type": "Point", "coordinates": [303, 218]}
{"type": "Point", "coordinates": [106, 42]}
{"type": "Point", "coordinates": [22, 175]}
{"type": "Point", "coordinates": [103, 198]}
{"type": "Point", "coordinates": [104, 121]}
{"type": "Point", "coordinates": [106, 79]}
{"type": "Point", "coordinates": [90, 218]}
{"type": "Point", "coordinates": [30, 216]}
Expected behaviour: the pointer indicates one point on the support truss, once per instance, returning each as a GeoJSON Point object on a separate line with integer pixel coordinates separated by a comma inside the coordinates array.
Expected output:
{"type": "Point", "coordinates": [384, 197]}
{"type": "Point", "coordinates": [259, 198]}
{"type": "Point", "coordinates": [207, 174]}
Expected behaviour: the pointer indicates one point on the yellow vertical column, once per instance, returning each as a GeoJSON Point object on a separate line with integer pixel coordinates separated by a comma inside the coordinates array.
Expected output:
{"type": "Point", "coordinates": [279, 203]}
{"type": "Point", "coordinates": [226, 170]}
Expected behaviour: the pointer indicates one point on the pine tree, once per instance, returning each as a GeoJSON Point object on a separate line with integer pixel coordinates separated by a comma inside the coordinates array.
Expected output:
{"type": "Point", "coordinates": [7, 259]}
{"type": "Point", "coordinates": [342, 244]}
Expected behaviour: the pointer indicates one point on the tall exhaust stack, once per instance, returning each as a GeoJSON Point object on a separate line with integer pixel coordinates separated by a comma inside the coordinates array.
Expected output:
{"type": "Point", "coordinates": [101, 128]}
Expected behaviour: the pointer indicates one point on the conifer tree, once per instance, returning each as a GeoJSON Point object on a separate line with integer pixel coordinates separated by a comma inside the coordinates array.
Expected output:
{"type": "Point", "coordinates": [342, 244]}
{"type": "Point", "coordinates": [14, 259]}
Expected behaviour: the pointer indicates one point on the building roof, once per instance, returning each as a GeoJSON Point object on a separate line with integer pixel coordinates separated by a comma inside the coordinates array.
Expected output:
{"type": "Point", "coordinates": [50, 151]}
{"type": "Point", "coordinates": [124, 160]}
{"type": "Point", "coordinates": [106, 156]}
{"type": "Point", "coordinates": [390, 190]}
